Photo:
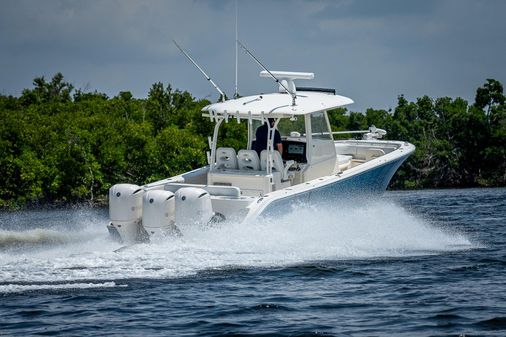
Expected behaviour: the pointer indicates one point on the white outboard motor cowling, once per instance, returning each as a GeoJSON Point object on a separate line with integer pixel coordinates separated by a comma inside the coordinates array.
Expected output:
{"type": "Point", "coordinates": [125, 211]}
{"type": "Point", "coordinates": [158, 208]}
{"type": "Point", "coordinates": [193, 206]}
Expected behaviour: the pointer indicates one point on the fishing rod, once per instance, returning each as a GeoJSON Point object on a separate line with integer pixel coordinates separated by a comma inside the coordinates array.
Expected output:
{"type": "Point", "coordinates": [202, 71]}
{"type": "Point", "coordinates": [268, 71]}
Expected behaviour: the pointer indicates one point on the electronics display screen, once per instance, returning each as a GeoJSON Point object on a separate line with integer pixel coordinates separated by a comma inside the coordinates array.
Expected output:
{"type": "Point", "coordinates": [295, 148]}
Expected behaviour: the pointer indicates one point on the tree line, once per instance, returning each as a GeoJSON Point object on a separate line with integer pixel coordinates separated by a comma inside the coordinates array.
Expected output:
{"type": "Point", "coordinates": [59, 144]}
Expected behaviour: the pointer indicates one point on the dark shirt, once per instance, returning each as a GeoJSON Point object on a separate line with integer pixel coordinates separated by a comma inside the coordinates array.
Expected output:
{"type": "Point", "coordinates": [261, 139]}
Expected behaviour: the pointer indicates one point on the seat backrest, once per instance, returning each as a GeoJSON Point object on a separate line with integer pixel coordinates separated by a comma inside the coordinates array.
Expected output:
{"type": "Point", "coordinates": [277, 160]}
{"type": "Point", "coordinates": [226, 158]}
{"type": "Point", "coordinates": [248, 160]}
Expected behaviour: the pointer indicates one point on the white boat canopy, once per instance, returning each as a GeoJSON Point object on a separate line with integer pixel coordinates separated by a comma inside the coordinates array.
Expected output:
{"type": "Point", "coordinates": [279, 104]}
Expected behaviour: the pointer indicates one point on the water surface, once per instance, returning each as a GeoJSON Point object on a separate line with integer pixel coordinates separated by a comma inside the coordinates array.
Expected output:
{"type": "Point", "coordinates": [409, 263]}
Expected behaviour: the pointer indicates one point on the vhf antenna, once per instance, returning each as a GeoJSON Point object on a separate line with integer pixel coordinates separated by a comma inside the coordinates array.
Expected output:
{"type": "Point", "coordinates": [236, 93]}
{"type": "Point", "coordinates": [202, 71]}
{"type": "Point", "coordinates": [268, 71]}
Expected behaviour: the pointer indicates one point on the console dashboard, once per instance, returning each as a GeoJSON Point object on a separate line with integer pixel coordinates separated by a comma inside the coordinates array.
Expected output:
{"type": "Point", "coordinates": [293, 150]}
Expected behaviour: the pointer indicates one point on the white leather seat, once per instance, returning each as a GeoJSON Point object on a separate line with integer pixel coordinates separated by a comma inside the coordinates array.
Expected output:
{"type": "Point", "coordinates": [226, 158]}
{"type": "Point", "coordinates": [277, 164]}
{"type": "Point", "coordinates": [248, 160]}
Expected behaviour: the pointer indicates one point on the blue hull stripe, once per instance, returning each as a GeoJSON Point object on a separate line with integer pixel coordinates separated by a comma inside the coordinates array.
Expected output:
{"type": "Point", "coordinates": [368, 183]}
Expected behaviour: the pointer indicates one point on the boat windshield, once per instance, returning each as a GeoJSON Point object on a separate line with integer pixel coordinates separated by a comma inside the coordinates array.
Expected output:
{"type": "Point", "coordinates": [319, 126]}
{"type": "Point", "coordinates": [288, 125]}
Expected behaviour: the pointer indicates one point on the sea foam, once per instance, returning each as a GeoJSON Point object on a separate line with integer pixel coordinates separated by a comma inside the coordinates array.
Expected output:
{"type": "Point", "coordinates": [361, 231]}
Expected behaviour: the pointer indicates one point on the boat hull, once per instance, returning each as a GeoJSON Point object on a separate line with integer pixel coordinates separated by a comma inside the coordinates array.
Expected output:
{"type": "Point", "coordinates": [362, 185]}
{"type": "Point", "coordinates": [362, 180]}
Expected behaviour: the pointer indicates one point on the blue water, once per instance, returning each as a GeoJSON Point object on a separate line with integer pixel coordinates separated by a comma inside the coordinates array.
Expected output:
{"type": "Point", "coordinates": [418, 263]}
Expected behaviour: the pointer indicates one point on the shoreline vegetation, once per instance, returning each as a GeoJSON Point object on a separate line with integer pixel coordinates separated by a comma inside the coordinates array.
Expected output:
{"type": "Point", "coordinates": [60, 145]}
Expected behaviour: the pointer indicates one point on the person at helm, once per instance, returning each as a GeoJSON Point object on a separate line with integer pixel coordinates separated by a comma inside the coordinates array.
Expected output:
{"type": "Point", "coordinates": [262, 135]}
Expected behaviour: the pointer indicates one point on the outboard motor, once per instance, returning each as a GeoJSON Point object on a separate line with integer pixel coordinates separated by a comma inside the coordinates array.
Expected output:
{"type": "Point", "coordinates": [193, 206]}
{"type": "Point", "coordinates": [125, 212]}
{"type": "Point", "coordinates": [158, 208]}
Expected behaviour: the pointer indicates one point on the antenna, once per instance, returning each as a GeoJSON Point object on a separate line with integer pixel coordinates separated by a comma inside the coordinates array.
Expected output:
{"type": "Point", "coordinates": [236, 93]}
{"type": "Point", "coordinates": [202, 71]}
{"type": "Point", "coordinates": [268, 71]}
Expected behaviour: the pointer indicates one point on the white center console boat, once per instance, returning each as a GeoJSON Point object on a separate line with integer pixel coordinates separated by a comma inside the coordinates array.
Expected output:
{"type": "Point", "coordinates": [242, 184]}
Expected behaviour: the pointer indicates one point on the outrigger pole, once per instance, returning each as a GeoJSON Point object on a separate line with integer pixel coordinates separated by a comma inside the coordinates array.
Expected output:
{"type": "Point", "coordinates": [268, 71]}
{"type": "Point", "coordinates": [202, 71]}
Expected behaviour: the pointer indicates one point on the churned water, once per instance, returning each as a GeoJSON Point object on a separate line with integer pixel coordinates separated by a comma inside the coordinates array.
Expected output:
{"type": "Point", "coordinates": [415, 263]}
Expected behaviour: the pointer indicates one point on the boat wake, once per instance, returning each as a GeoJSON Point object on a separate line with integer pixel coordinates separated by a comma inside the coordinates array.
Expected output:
{"type": "Point", "coordinates": [16, 288]}
{"type": "Point", "coordinates": [87, 256]}
{"type": "Point", "coordinates": [32, 238]}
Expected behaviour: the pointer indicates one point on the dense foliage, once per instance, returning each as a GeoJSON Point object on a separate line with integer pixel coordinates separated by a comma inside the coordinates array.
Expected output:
{"type": "Point", "coordinates": [58, 144]}
{"type": "Point", "coordinates": [457, 144]}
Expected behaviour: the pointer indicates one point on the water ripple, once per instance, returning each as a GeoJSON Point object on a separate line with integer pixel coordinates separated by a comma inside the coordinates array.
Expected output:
{"type": "Point", "coordinates": [419, 263]}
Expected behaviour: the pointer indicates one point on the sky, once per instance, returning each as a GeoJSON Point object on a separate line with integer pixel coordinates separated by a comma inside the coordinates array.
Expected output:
{"type": "Point", "coordinates": [369, 50]}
